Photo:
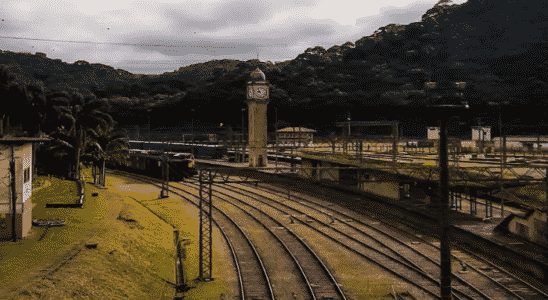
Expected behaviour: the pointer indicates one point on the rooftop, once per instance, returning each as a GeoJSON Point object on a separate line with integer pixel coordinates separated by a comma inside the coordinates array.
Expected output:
{"type": "Point", "coordinates": [367, 123]}
{"type": "Point", "coordinates": [296, 129]}
{"type": "Point", "coordinates": [257, 75]}
{"type": "Point", "coordinates": [23, 139]}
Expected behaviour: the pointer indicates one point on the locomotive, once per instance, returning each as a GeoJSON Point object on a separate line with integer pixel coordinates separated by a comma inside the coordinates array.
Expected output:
{"type": "Point", "coordinates": [149, 163]}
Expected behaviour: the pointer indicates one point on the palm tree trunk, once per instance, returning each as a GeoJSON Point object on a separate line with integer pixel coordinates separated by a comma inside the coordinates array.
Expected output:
{"type": "Point", "coordinates": [103, 174]}
{"type": "Point", "coordinates": [2, 126]}
{"type": "Point", "coordinates": [78, 151]}
{"type": "Point", "coordinates": [94, 172]}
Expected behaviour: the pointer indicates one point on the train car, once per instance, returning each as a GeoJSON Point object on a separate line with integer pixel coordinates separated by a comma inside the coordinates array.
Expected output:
{"type": "Point", "coordinates": [199, 150]}
{"type": "Point", "coordinates": [181, 165]}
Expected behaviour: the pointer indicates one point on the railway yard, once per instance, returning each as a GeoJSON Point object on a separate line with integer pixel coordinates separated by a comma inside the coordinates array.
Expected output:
{"type": "Point", "coordinates": [295, 240]}
{"type": "Point", "coordinates": [276, 234]}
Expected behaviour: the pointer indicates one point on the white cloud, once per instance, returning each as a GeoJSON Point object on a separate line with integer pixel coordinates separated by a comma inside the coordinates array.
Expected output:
{"type": "Point", "coordinates": [237, 25]}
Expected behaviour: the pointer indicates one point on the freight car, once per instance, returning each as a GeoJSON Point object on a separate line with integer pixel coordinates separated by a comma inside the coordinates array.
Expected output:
{"type": "Point", "coordinates": [181, 165]}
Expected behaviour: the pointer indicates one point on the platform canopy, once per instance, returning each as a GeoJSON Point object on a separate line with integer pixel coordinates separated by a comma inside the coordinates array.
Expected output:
{"type": "Point", "coordinates": [367, 123]}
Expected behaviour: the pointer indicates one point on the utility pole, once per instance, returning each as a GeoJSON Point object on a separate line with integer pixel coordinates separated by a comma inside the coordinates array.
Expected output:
{"type": "Point", "coordinates": [395, 145]}
{"type": "Point", "coordinates": [206, 242]}
{"type": "Point", "coordinates": [13, 196]}
{"type": "Point", "coordinates": [445, 249]}
{"type": "Point", "coordinates": [165, 177]}
{"type": "Point", "coordinates": [546, 204]}
{"type": "Point", "coordinates": [441, 92]}
{"type": "Point", "coordinates": [293, 140]}
{"type": "Point", "coordinates": [242, 156]}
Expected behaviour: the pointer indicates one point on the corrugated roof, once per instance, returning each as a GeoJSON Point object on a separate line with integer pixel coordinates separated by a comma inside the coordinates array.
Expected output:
{"type": "Point", "coordinates": [366, 123]}
{"type": "Point", "coordinates": [296, 129]}
{"type": "Point", "coordinates": [523, 138]}
{"type": "Point", "coordinates": [24, 139]}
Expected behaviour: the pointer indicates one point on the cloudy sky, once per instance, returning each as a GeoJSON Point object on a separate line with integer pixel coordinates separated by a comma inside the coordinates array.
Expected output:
{"type": "Point", "coordinates": [152, 37]}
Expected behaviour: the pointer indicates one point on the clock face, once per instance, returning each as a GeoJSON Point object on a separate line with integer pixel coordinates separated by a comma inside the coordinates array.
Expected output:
{"type": "Point", "coordinates": [261, 92]}
{"type": "Point", "coordinates": [250, 93]}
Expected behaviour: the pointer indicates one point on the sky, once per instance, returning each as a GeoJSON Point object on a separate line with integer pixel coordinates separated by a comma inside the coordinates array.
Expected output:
{"type": "Point", "coordinates": [153, 37]}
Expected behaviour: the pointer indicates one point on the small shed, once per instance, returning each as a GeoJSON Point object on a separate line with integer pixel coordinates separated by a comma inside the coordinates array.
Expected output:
{"type": "Point", "coordinates": [531, 226]}
{"type": "Point", "coordinates": [16, 157]}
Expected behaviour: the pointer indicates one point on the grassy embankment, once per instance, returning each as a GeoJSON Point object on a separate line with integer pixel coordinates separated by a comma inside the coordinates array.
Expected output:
{"type": "Point", "coordinates": [133, 259]}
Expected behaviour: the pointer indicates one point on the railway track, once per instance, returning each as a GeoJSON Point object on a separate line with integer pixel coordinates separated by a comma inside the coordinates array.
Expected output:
{"type": "Point", "coordinates": [320, 284]}
{"type": "Point", "coordinates": [254, 282]}
{"type": "Point", "coordinates": [413, 252]}
{"type": "Point", "coordinates": [497, 285]}
{"type": "Point", "coordinates": [411, 274]}
{"type": "Point", "coordinates": [319, 280]}
{"type": "Point", "coordinates": [380, 242]}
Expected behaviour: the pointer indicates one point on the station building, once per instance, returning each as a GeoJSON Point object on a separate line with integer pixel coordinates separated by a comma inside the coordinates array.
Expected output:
{"type": "Point", "coordinates": [16, 156]}
{"type": "Point", "coordinates": [295, 135]}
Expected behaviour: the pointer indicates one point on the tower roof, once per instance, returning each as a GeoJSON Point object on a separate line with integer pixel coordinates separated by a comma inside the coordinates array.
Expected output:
{"type": "Point", "coordinates": [257, 75]}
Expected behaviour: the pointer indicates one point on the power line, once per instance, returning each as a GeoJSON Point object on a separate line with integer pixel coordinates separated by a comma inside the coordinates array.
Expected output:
{"type": "Point", "coordinates": [128, 44]}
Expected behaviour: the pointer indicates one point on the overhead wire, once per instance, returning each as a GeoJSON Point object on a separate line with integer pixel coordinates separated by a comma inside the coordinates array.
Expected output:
{"type": "Point", "coordinates": [130, 44]}
{"type": "Point", "coordinates": [174, 46]}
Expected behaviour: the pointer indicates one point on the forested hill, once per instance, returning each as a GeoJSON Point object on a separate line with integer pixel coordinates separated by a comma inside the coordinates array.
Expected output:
{"type": "Point", "coordinates": [498, 47]}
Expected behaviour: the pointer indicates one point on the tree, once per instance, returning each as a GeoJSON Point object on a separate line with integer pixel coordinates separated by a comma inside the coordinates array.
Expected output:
{"type": "Point", "coordinates": [88, 113]}
{"type": "Point", "coordinates": [71, 116]}
{"type": "Point", "coordinates": [107, 145]}
{"type": "Point", "coordinates": [60, 151]}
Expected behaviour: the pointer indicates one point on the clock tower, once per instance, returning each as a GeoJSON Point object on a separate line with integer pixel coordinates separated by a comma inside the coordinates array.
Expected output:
{"type": "Point", "coordinates": [257, 100]}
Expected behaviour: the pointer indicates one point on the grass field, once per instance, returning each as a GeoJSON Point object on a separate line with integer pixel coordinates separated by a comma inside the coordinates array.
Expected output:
{"type": "Point", "coordinates": [134, 258]}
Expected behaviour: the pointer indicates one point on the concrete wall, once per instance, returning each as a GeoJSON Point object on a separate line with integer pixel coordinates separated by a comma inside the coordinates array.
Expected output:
{"type": "Point", "coordinates": [383, 185]}
{"type": "Point", "coordinates": [23, 184]}
{"type": "Point", "coordinates": [257, 133]}
{"type": "Point", "coordinates": [23, 223]}
{"type": "Point", "coordinates": [324, 174]}
{"type": "Point", "coordinates": [307, 173]}
{"type": "Point", "coordinates": [531, 228]}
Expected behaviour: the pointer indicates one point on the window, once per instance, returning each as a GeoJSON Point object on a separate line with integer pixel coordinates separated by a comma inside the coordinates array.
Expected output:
{"type": "Point", "coordinates": [26, 175]}
{"type": "Point", "coordinates": [523, 230]}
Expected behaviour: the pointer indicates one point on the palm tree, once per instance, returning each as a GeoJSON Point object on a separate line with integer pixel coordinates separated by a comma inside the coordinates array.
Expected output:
{"type": "Point", "coordinates": [106, 144]}
{"type": "Point", "coordinates": [61, 149]}
{"type": "Point", "coordinates": [89, 113]}
{"type": "Point", "coordinates": [80, 116]}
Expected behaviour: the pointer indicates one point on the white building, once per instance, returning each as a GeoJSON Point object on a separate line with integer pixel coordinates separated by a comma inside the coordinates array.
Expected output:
{"type": "Point", "coordinates": [433, 133]}
{"type": "Point", "coordinates": [295, 135]}
{"type": "Point", "coordinates": [481, 133]}
{"type": "Point", "coordinates": [19, 151]}
{"type": "Point", "coordinates": [531, 226]}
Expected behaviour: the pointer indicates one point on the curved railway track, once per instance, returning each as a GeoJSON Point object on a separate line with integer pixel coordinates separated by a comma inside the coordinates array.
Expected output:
{"type": "Point", "coordinates": [411, 274]}
{"type": "Point", "coordinates": [320, 284]}
{"type": "Point", "coordinates": [247, 260]}
{"type": "Point", "coordinates": [375, 248]}
{"type": "Point", "coordinates": [254, 282]}
{"type": "Point", "coordinates": [406, 255]}
{"type": "Point", "coordinates": [499, 285]}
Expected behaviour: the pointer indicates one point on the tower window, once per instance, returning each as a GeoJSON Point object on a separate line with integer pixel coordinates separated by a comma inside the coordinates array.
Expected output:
{"type": "Point", "coordinates": [26, 175]}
